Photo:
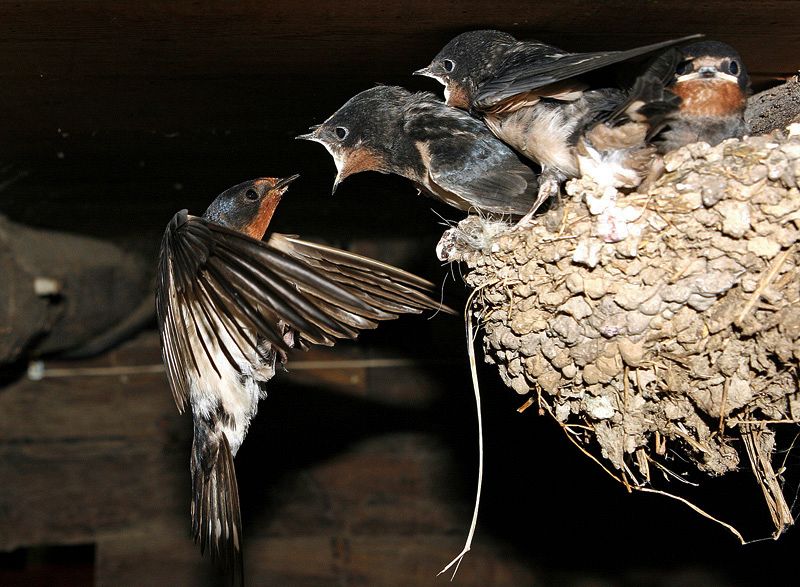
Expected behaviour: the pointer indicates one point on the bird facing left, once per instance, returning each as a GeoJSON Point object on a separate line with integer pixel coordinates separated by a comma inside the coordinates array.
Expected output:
{"type": "Point", "coordinates": [230, 306]}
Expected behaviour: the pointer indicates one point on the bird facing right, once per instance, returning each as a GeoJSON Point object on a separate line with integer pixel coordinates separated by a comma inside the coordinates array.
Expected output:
{"type": "Point", "coordinates": [229, 308]}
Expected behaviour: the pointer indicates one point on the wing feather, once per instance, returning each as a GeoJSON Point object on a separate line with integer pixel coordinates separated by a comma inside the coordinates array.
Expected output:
{"type": "Point", "coordinates": [521, 74]}
{"type": "Point", "coordinates": [217, 287]}
{"type": "Point", "coordinates": [212, 278]}
{"type": "Point", "coordinates": [463, 158]}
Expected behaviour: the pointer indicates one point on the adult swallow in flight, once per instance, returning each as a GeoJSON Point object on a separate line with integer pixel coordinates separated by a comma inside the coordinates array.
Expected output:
{"type": "Point", "coordinates": [230, 306]}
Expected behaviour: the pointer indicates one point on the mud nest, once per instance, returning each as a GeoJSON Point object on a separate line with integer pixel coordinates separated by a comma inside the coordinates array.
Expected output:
{"type": "Point", "coordinates": [656, 324]}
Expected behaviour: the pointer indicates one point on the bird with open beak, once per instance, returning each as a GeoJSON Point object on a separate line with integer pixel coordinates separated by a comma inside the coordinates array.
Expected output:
{"type": "Point", "coordinates": [447, 153]}
{"type": "Point", "coordinates": [230, 306]}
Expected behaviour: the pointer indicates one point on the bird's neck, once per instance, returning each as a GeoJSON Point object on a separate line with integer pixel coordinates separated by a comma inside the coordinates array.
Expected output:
{"type": "Point", "coordinates": [701, 97]}
{"type": "Point", "coordinates": [258, 226]}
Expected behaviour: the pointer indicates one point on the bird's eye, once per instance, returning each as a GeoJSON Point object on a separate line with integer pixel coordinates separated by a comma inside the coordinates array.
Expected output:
{"type": "Point", "coordinates": [251, 195]}
{"type": "Point", "coordinates": [448, 65]}
{"type": "Point", "coordinates": [733, 68]}
{"type": "Point", "coordinates": [341, 132]}
{"type": "Point", "coordinates": [683, 68]}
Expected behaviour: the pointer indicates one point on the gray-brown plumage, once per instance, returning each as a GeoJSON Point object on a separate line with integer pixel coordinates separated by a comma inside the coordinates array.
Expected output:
{"type": "Point", "coordinates": [533, 96]}
{"type": "Point", "coordinates": [693, 93]}
{"type": "Point", "coordinates": [229, 306]}
{"type": "Point", "coordinates": [445, 152]}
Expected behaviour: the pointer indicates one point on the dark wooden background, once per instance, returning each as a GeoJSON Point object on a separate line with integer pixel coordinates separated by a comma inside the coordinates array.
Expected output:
{"type": "Point", "coordinates": [122, 112]}
{"type": "Point", "coordinates": [113, 115]}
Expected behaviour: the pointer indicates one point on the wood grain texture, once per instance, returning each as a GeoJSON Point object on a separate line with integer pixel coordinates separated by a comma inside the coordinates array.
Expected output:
{"type": "Point", "coordinates": [92, 455]}
{"type": "Point", "coordinates": [85, 66]}
{"type": "Point", "coordinates": [80, 447]}
{"type": "Point", "coordinates": [339, 488]}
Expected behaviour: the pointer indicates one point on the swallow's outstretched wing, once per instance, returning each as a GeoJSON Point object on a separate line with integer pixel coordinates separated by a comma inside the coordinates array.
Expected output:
{"type": "Point", "coordinates": [533, 72]}
{"type": "Point", "coordinates": [225, 302]}
{"type": "Point", "coordinates": [379, 291]}
{"type": "Point", "coordinates": [320, 292]}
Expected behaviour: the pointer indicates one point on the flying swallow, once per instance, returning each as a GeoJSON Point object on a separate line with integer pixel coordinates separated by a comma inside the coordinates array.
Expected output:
{"type": "Point", "coordinates": [230, 306]}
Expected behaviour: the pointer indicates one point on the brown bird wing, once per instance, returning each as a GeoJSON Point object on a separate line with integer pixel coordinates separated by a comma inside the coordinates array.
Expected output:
{"type": "Point", "coordinates": [522, 74]}
{"type": "Point", "coordinates": [190, 302]}
{"type": "Point", "coordinates": [366, 289]}
{"type": "Point", "coordinates": [217, 281]}
{"type": "Point", "coordinates": [320, 292]}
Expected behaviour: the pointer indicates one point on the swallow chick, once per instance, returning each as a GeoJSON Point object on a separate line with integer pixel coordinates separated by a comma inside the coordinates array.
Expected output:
{"type": "Point", "coordinates": [712, 83]}
{"type": "Point", "coordinates": [689, 94]}
{"type": "Point", "coordinates": [536, 97]}
{"type": "Point", "coordinates": [444, 151]}
{"type": "Point", "coordinates": [230, 306]}
{"type": "Point", "coordinates": [619, 151]}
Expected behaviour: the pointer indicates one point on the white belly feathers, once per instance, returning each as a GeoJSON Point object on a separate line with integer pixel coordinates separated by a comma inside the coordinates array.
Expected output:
{"type": "Point", "coordinates": [236, 392]}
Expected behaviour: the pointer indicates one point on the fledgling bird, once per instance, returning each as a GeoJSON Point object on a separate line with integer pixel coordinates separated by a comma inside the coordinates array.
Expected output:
{"type": "Point", "coordinates": [618, 151]}
{"type": "Point", "coordinates": [230, 306]}
{"type": "Point", "coordinates": [697, 92]}
{"type": "Point", "coordinates": [535, 97]}
{"type": "Point", "coordinates": [711, 81]}
{"type": "Point", "coordinates": [444, 151]}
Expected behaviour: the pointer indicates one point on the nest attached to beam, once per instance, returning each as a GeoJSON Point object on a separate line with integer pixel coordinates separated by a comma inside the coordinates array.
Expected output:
{"type": "Point", "coordinates": [650, 324]}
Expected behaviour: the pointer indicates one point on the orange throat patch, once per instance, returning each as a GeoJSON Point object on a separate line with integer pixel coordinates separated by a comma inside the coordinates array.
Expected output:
{"type": "Point", "coordinates": [710, 97]}
{"type": "Point", "coordinates": [456, 96]}
{"type": "Point", "coordinates": [361, 159]}
{"type": "Point", "coordinates": [258, 226]}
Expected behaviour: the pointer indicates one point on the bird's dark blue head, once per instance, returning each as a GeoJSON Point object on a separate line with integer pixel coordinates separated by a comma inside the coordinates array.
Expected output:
{"type": "Point", "coordinates": [360, 135]}
{"type": "Point", "coordinates": [466, 62]}
{"type": "Point", "coordinates": [712, 60]}
{"type": "Point", "coordinates": [248, 207]}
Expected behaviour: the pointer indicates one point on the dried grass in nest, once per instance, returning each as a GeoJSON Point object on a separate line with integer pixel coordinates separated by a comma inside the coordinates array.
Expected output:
{"type": "Point", "coordinates": [658, 323]}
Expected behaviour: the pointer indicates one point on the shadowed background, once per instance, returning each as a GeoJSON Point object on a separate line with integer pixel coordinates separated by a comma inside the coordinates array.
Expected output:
{"type": "Point", "coordinates": [360, 468]}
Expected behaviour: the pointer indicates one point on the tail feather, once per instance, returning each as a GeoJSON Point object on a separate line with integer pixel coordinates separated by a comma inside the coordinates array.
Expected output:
{"type": "Point", "coordinates": [216, 518]}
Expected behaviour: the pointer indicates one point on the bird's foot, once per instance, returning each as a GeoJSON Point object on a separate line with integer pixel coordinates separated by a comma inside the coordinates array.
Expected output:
{"type": "Point", "coordinates": [548, 188]}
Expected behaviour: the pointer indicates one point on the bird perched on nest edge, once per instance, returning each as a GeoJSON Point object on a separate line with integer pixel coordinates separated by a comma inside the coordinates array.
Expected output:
{"type": "Point", "coordinates": [536, 97]}
{"type": "Point", "coordinates": [689, 94]}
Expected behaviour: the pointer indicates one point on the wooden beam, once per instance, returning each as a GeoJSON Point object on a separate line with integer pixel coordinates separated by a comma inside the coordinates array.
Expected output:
{"type": "Point", "coordinates": [80, 446]}
{"type": "Point", "coordinates": [332, 489]}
